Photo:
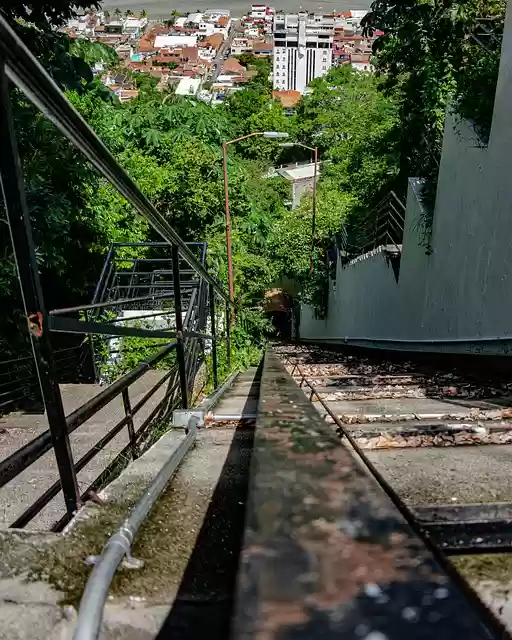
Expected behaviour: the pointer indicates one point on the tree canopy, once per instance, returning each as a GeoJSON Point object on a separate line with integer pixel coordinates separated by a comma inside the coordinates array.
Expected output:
{"type": "Point", "coordinates": [43, 14]}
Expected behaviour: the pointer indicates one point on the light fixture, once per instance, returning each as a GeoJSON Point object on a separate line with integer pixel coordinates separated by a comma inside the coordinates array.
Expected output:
{"type": "Point", "coordinates": [275, 134]}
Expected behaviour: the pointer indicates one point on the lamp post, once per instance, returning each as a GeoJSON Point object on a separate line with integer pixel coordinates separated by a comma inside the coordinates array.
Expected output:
{"type": "Point", "coordinates": [313, 221]}
{"type": "Point", "coordinates": [264, 134]}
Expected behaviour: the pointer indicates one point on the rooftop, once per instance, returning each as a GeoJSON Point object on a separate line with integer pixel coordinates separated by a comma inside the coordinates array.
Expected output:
{"type": "Point", "coordinates": [287, 98]}
{"type": "Point", "coordinates": [300, 172]}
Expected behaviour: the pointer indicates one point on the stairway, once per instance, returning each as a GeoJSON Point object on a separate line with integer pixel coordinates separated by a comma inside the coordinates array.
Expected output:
{"type": "Point", "coordinates": [242, 399]}
{"type": "Point", "coordinates": [17, 429]}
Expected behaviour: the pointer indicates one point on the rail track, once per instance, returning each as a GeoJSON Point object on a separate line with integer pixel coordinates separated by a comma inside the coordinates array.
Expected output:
{"type": "Point", "coordinates": [437, 437]}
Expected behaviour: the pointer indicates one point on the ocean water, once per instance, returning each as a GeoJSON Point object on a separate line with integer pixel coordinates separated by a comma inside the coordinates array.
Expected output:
{"type": "Point", "coordinates": [163, 8]}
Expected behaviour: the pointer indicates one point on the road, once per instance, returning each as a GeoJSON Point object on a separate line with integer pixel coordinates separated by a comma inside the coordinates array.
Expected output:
{"type": "Point", "coordinates": [219, 58]}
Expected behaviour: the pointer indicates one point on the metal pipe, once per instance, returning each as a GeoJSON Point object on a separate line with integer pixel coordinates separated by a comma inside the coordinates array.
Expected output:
{"type": "Point", "coordinates": [233, 417]}
{"type": "Point", "coordinates": [90, 613]}
{"type": "Point", "coordinates": [212, 400]}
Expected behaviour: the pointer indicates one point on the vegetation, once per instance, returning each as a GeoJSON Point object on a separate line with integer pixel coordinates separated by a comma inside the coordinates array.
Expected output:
{"type": "Point", "coordinates": [372, 131]}
{"type": "Point", "coordinates": [425, 59]}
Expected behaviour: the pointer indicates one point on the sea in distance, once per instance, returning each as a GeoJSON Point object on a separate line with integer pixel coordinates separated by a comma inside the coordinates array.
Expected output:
{"type": "Point", "coordinates": [163, 8]}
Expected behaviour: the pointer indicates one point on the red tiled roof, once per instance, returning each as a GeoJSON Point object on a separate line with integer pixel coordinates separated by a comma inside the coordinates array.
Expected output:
{"type": "Point", "coordinates": [215, 40]}
{"type": "Point", "coordinates": [231, 65]}
{"type": "Point", "coordinates": [287, 98]}
{"type": "Point", "coordinates": [262, 46]}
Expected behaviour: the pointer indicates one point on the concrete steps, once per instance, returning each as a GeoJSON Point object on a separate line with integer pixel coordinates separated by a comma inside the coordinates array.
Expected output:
{"type": "Point", "coordinates": [243, 397]}
{"type": "Point", "coordinates": [19, 429]}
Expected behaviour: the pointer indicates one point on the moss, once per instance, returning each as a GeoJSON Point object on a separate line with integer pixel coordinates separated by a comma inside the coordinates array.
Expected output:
{"type": "Point", "coordinates": [496, 568]}
{"type": "Point", "coordinates": [165, 543]}
{"type": "Point", "coordinates": [62, 564]}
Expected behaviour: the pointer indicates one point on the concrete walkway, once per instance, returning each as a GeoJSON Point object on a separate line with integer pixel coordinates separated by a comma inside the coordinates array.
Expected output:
{"type": "Point", "coordinates": [17, 429]}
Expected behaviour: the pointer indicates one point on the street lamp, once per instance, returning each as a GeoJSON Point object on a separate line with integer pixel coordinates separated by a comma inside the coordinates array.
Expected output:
{"type": "Point", "coordinates": [313, 222]}
{"type": "Point", "coordinates": [273, 135]}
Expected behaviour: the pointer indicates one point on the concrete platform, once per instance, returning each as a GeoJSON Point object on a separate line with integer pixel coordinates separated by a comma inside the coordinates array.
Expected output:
{"type": "Point", "coordinates": [186, 545]}
{"type": "Point", "coordinates": [452, 475]}
{"type": "Point", "coordinates": [20, 428]}
{"type": "Point", "coordinates": [243, 397]}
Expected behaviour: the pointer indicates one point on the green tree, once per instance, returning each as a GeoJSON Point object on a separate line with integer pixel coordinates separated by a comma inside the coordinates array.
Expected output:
{"type": "Point", "coordinates": [45, 15]}
{"type": "Point", "coordinates": [420, 57]}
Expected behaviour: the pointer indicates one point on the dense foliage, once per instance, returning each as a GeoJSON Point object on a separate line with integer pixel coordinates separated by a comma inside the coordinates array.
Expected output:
{"type": "Point", "coordinates": [426, 58]}
{"type": "Point", "coordinates": [372, 131]}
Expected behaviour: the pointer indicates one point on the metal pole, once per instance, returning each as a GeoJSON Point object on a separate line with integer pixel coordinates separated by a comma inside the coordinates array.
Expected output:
{"type": "Point", "coordinates": [228, 222]}
{"type": "Point", "coordinates": [180, 347]}
{"type": "Point", "coordinates": [131, 429]}
{"type": "Point", "coordinates": [228, 337]}
{"type": "Point", "coordinates": [313, 222]}
{"type": "Point", "coordinates": [25, 258]}
{"type": "Point", "coordinates": [214, 337]}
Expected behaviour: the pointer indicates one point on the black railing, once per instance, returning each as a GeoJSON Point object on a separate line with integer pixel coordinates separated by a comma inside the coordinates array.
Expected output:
{"type": "Point", "coordinates": [19, 385]}
{"type": "Point", "coordinates": [185, 340]}
{"type": "Point", "coordinates": [382, 226]}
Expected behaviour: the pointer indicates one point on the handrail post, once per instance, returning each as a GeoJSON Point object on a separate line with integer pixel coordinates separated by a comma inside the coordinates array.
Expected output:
{"type": "Point", "coordinates": [18, 220]}
{"type": "Point", "coordinates": [228, 336]}
{"type": "Point", "coordinates": [129, 422]}
{"type": "Point", "coordinates": [214, 337]}
{"type": "Point", "coordinates": [180, 347]}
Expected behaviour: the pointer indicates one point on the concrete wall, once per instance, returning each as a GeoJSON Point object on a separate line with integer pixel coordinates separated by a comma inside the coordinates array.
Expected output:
{"type": "Point", "coordinates": [461, 291]}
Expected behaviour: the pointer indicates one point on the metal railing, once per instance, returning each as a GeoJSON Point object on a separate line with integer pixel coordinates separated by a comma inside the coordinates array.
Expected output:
{"type": "Point", "coordinates": [185, 340]}
{"type": "Point", "coordinates": [382, 226]}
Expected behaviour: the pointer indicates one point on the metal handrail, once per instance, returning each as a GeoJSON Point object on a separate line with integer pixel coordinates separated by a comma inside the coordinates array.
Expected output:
{"type": "Point", "coordinates": [384, 222]}
{"type": "Point", "coordinates": [24, 70]}
{"type": "Point", "coordinates": [18, 65]}
{"type": "Point", "coordinates": [25, 456]}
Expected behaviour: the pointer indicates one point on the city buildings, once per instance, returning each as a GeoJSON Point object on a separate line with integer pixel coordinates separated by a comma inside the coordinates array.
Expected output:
{"type": "Point", "coordinates": [303, 45]}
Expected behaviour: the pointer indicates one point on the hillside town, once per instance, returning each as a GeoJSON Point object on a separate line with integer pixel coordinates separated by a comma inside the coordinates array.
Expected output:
{"type": "Point", "coordinates": [198, 54]}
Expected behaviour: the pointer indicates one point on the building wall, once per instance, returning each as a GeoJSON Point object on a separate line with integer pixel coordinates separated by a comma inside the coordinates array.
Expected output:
{"type": "Point", "coordinates": [302, 49]}
{"type": "Point", "coordinates": [462, 291]}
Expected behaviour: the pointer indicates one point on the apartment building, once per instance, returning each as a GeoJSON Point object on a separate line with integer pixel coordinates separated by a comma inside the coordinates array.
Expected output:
{"type": "Point", "coordinates": [303, 45]}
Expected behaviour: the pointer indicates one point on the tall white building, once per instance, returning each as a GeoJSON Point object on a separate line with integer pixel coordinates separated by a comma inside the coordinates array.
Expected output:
{"type": "Point", "coordinates": [302, 49]}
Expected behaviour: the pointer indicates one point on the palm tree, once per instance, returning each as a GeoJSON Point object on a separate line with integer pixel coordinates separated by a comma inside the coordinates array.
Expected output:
{"type": "Point", "coordinates": [117, 13]}
{"type": "Point", "coordinates": [143, 14]}
{"type": "Point", "coordinates": [128, 12]}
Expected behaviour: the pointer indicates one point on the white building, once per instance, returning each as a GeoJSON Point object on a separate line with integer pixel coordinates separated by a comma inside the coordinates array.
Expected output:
{"type": "Point", "coordinates": [302, 177]}
{"type": "Point", "coordinates": [169, 42]}
{"type": "Point", "coordinates": [135, 26]}
{"type": "Point", "coordinates": [302, 49]}
{"type": "Point", "coordinates": [188, 87]}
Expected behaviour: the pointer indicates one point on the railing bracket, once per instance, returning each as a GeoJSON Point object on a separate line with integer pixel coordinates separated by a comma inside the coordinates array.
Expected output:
{"type": "Point", "coordinates": [181, 417]}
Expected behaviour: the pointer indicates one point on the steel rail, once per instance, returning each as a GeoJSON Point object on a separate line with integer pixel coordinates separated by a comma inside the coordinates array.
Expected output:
{"type": "Point", "coordinates": [419, 530]}
{"type": "Point", "coordinates": [58, 324]}
{"type": "Point", "coordinates": [24, 70]}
